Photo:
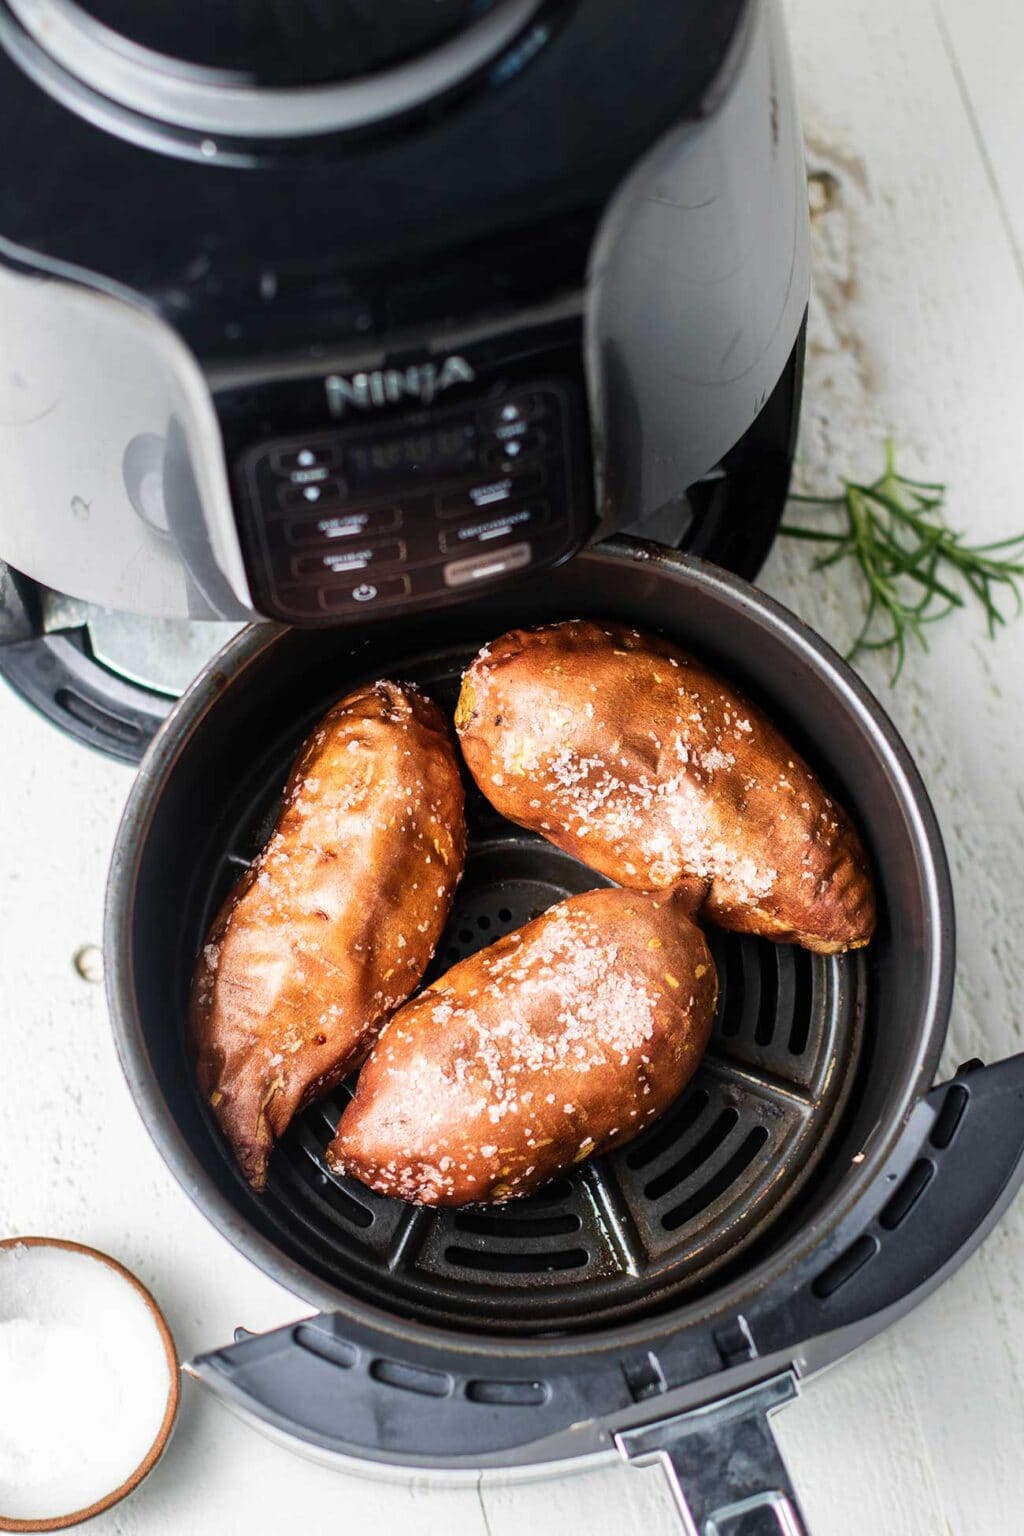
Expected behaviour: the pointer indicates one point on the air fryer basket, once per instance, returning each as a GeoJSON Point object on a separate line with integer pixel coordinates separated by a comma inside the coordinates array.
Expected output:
{"type": "Point", "coordinates": [619, 1234]}
{"type": "Point", "coordinates": [697, 1260]}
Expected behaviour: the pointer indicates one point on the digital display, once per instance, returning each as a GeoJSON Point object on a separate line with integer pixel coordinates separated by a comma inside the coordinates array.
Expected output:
{"type": "Point", "coordinates": [430, 452]}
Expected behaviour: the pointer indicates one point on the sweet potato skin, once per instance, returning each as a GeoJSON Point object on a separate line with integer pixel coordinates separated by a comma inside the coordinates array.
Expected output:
{"type": "Point", "coordinates": [562, 1040]}
{"type": "Point", "coordinates": [333, 925]}
{"type": "Point", "coordinates": [630, 754]}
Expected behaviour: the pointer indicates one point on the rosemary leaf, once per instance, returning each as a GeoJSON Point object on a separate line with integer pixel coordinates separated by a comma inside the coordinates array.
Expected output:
{"type": "Point", "coordinates": [910, 560]}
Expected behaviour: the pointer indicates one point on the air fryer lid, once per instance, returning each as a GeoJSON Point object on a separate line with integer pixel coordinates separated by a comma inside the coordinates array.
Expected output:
{"type": "Point", "coordinates": [582, 1302]}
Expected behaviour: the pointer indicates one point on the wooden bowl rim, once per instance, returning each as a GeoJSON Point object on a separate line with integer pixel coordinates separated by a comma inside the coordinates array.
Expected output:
{"type": "Point", "coordinates": [163, 1434]}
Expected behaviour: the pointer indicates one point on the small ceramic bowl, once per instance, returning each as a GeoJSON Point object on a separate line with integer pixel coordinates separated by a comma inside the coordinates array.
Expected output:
{"type": "Point", "coordinates": [75, 1517]}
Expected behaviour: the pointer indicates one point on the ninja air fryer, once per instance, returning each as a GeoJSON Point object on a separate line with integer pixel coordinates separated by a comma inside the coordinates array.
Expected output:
{"type": "Point", "coordinates": [397, 323]}
{"type": "Point", "coordinates": [333, 314]}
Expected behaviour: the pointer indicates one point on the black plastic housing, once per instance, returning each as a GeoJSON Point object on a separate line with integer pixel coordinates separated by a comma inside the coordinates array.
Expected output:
{"type": "Point", "coordinates": [365, 232]}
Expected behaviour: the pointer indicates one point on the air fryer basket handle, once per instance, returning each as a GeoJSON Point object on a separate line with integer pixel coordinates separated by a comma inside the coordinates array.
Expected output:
{"type": "Point", "coordinates": [723, 1465]}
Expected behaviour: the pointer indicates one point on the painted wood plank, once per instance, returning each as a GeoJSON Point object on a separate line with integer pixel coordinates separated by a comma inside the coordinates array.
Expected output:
{"type": "Point", "coordinates": [985, 44]}
{"type": "Point", "coordinates": [857, 1455]}
{"type": "Point", "coordinates": [613, 1501]}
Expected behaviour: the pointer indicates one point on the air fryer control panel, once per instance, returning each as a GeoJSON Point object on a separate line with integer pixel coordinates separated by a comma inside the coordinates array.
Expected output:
{"type": "Point", "coordinates": [391, 508]}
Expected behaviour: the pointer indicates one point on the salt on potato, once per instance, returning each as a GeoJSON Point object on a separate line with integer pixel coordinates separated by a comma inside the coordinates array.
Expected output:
{"type": "Point", "coordinates": [637, 759]}
{"type": "Point", "coordinates": [336, 920]}
{"type": "Point", "coordinates": [561, 1040]}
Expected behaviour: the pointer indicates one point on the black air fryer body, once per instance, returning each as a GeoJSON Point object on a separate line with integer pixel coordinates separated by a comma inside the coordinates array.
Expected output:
{"type": "Point", "coordinates": [326, 315]}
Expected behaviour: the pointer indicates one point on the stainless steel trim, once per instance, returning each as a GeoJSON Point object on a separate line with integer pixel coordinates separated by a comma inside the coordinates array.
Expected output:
{"type": "Point", "coordinates": [722, 1461]}
{"type": "Point", "coordinates": [218, 102]}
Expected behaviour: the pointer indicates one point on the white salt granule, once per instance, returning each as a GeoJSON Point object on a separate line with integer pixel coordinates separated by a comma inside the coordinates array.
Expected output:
{"type": "Point", "coordinates": [84, 1381]}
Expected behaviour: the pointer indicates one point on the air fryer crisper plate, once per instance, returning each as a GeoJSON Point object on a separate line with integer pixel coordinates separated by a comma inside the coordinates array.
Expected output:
{"type": "Point", "coordinates": [620, 1232]}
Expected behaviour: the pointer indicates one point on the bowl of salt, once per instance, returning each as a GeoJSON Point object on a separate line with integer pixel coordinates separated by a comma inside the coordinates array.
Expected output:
{"type": "Point", "coordinates": [89, 1383]}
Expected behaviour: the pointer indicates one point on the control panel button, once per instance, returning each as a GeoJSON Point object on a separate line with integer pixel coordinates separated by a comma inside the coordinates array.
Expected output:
{"type": "Point", "coordinates": [303, 462]}
{"type": "Point", "coordinates": [344, 525]}
{"type": "Point", "coordinates": [367, 594]}
{"type": "Point", "coordinates": [461, 573]}
{"type": "Point", "coordinates": [486, 530]}
{"type": "Point", "coordinates": [511, 414]}
{"type": "Point", "coordinates": [349, 559]}
{"type": "Point", "coordinates": [489, 493]}
{"type": "Point", "coordinates": [506, 455]}
{"type": "Point", "coordinates": [317, 493]}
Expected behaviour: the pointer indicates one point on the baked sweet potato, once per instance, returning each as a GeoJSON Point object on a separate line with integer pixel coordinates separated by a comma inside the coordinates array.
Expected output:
{"type": "Point", "coordinates": [333, 925]}
{"type": "Point", "coordinates": [561, 1040]}
{"type": "Point", "coordinates": [633, 756]}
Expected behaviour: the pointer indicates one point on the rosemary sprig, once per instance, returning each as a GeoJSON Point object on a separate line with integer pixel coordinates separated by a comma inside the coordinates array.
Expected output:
{"type": "Point", "coordinates": [916, 569]}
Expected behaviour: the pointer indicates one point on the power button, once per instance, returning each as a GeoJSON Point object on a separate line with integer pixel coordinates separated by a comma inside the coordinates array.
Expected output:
{"type": "Point", "coordinates": [366, 594]}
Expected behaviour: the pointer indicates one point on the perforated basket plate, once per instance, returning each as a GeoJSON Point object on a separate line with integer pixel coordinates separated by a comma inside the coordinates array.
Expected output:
{"type": "Point", "coordinates": [618, 1234]}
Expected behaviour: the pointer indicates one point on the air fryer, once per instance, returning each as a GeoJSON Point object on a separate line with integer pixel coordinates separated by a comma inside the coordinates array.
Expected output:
{"type": "Point", "coordinates": [404, 325]}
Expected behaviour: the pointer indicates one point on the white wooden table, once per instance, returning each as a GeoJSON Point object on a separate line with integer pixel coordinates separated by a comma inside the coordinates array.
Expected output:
{"type": "Point", "coordinates": [916, 108]}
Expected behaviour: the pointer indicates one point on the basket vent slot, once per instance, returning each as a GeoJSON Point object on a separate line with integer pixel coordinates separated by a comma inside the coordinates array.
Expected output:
{"type": "Point", "coordinates": [803, 984]}
{"type": "Point", "coordinates": [767, 1008]}
{"type": "Point", "coordinates": [843, 1269]}
{"type": "Point", "coordinates": [669, 1130]}
{"type": "Point", "coordinates": [508, 1394]}
{"type": "Point", "coordinates": [695, 1157]}
{"type": "Point", "coordinates": [326, 1347]}
{"type": "Point", "coordinates": [520, 1262]}
{"type": "Point", "coordinates": [411, 1378]}
{"type": "Point", "coordinates": [719, 1182]}
{"type": "Point", "coordinates": [948, 1119]}
{"type": "Point", "coordinates": [730, 986]}
{"type": "Point", "coordinates": [511, 1225]}
{"type": "Point", "coordinates": [908, 1194]}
